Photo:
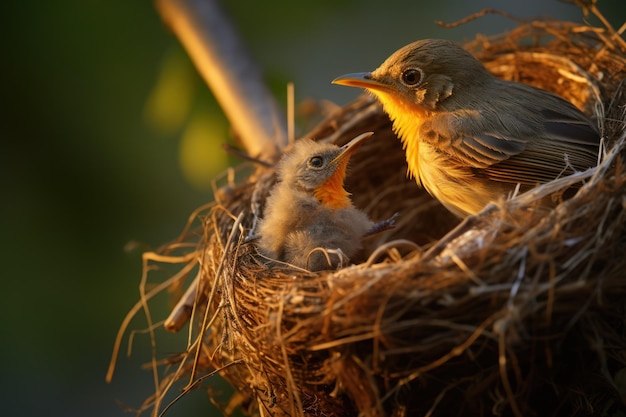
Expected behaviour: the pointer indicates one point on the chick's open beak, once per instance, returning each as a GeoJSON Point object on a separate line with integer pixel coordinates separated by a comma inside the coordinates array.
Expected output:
{"type": "Point", "coordinates": [350, 148]}
{"type": "Point", "coordinates": [361, 80]}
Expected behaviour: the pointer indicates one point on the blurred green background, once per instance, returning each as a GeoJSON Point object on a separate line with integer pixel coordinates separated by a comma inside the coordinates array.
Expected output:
{"type": "Point", "coordinates": [110, 140]}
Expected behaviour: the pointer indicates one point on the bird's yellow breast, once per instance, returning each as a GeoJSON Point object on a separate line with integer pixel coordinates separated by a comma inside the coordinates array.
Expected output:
{"type": "Point", "coordinates": [407, 119]}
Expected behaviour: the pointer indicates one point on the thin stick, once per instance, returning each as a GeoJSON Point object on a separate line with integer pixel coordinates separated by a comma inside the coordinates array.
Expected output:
{"type": "Point", "coordinates": [196, 383]}
{"type": "Point", "coordinates": [181, 312]}
{"type": "Point", "coordinates": [191, 258]}
{"type": "Point", "coordinates": [144, 304]}
{"type": "Point", "coordinates": [220, 57]}
{"type": "Point", "coordinates": [295, 403]}
{"type": "Point", "coordinates": [504, 375]}
{"type": "Point", "coordinates": [291, 131]}
{"type": "Point", "coordinates": [477, 15]}
{"type": "Point", "coordinates": [227, 246]}
{"type": "Point", "coordinates": [467, 224]}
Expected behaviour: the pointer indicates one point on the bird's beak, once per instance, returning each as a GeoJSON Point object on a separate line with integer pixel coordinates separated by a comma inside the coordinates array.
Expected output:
{"type": "Point", "coordinates": [361, 80]}
{"type": "Point", "coordinates": [350, 148]}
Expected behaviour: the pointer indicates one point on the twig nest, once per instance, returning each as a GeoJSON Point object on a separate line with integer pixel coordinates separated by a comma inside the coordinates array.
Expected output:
{"type": "Point", "coordinates": [517, 311]}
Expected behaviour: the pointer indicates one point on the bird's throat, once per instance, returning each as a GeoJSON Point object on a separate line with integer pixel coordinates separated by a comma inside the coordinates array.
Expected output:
{"type": "Point", "coordinates": [331, 193]}
{"type": "Point", "coordinates": [407, 120]}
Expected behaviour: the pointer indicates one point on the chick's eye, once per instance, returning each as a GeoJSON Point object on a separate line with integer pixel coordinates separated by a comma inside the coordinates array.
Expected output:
{"type": "Point", "coordinates": [412, 76]}
{"type": "Point", "coordinates": [316, 161]}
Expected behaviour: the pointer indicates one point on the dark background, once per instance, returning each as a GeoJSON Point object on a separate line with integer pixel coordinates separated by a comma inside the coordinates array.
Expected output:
{"type": "Point", "coordinates": [110, 140]}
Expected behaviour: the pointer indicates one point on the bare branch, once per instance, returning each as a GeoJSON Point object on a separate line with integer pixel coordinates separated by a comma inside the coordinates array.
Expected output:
{"type": "Point", "coordinates": [219, 55]}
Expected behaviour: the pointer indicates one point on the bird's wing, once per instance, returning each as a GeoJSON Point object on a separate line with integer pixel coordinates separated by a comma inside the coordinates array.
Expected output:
{"type": "Point", "coordinates": [566, 140]}
{"type": "Point", "coordinates": [464, 136]}
{"type": "Point", "coordinates": [569, 142]}
{"type": "Point", "coordinates": [481, 151]}
{"type": "Point", "coordinates": [570, 127]}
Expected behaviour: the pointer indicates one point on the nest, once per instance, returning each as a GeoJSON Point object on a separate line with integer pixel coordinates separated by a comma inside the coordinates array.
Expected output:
{"type": "Point", "coordinates": [515, 311]}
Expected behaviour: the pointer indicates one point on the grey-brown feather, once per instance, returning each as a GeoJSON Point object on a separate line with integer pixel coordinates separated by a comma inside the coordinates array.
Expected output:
{"type": "Point", "coordinates": [340, 229]}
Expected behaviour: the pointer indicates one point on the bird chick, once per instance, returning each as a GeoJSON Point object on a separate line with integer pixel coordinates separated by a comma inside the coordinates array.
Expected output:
{"type": "Point", "coordinates": [470, 138]}
{"type": "Point", "coordinates": [309, 219]}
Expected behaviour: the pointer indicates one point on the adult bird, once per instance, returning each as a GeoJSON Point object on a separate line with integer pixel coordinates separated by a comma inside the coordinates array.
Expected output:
{"type": "Point", "coordinates": [470, 138]}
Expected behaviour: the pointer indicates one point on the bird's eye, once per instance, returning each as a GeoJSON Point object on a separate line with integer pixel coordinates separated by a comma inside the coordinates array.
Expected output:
{"type": "Point", "coordinates": [412, 76]}
{"type": "Point", "coordinates": [316, 162]}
